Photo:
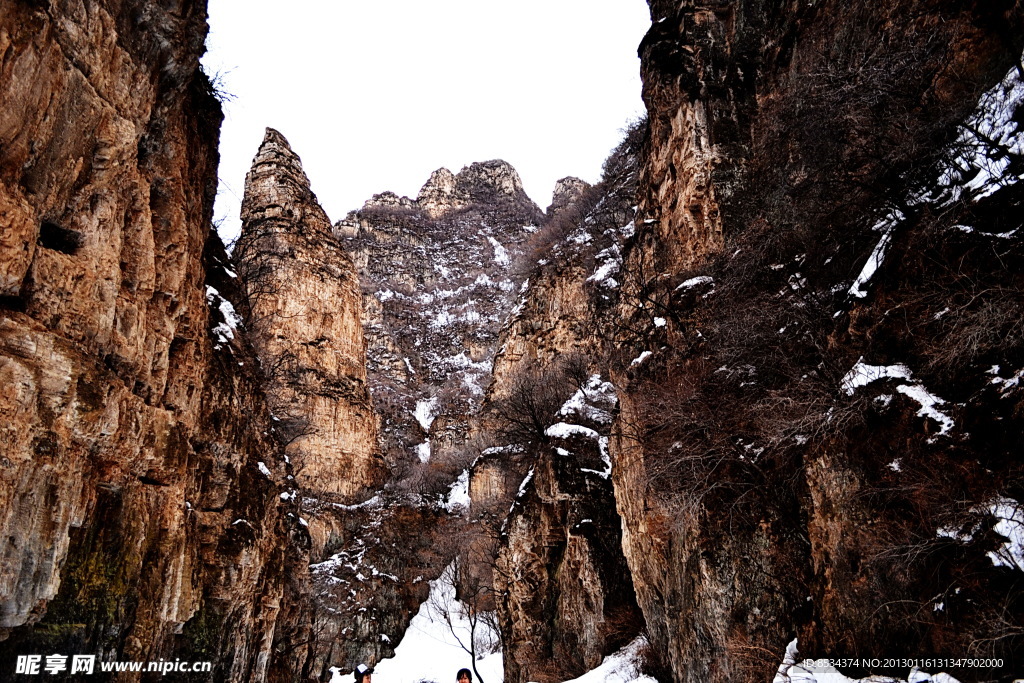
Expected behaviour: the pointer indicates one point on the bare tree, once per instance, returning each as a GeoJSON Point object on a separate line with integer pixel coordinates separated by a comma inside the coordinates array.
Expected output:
{"type": "Point", "coordinates": [462, 604]}
{"type": "Point", "coordinates": [532, 402]}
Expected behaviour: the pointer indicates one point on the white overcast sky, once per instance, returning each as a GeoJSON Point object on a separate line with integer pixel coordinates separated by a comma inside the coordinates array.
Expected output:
{"type": "Point", "coordinates": [374, 96]}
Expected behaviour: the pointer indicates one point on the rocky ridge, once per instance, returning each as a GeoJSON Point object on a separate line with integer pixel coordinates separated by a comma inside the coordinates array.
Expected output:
{"type": "Point", "coordinates": [436, 277]}
{"type": "Point", "coordinates": [568, 191]}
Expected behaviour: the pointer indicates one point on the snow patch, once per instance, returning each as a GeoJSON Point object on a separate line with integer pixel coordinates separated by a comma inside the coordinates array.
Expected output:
{"type": "Point", "coordinates": [694, 281]}
{"type": "Point", "coordinates": [564, 430]}
{"type": "Point", "coordinates": [619, 667]}
{"type": "Point", "coordinates": [223, 330]}
{"type": "Point", "coordinates": [458, 495]}
{"type": "Point", "coordinates": [501, 256]}
{"type": "Point", "coordinates": [430, 650]}
{"type": "Point", "coordinates": [928, 401]}
{"type": "Point", "coordinates": [886, 226]}
{"type": "Point", "coordinates": [593, 401]}
{"type": "Point", "coordinates": [1006, 384]}
{"type": "Point", "coordinates": [603, 275]}
{"type": "Point", "coordinates": [862, 374]}
{"type": "Point", "coordinates": [640, 359]}
{"type": "Point", "coordinates": [1009, 516]}
{"type": "Point", "coordinates": [425, 412]}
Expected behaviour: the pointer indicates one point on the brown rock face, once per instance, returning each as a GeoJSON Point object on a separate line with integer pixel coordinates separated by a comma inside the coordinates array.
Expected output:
{"type": "Point", "coordinates": [566, 595]}
{"type": "Point", "coordinates": [567, 191]}
{"type": "Point", "coordinates": [678, 191]}
{"type": "Point", "coordinates": [138, 489]}
{"type": "Point", "coordinates": [757, 503]}
{"type": "Point", "coordinates": [304, 312]}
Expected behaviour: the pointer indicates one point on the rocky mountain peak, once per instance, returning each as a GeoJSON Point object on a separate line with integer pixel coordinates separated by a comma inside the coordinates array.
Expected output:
{"type": "Point", "coordinates": [567, 191]}
{"type": "Point", "coordinates": [437, 194]}
{"type": "Point", "coordinates": [482, 180]}
{"type": "Point", "coordinates": [277, 187]}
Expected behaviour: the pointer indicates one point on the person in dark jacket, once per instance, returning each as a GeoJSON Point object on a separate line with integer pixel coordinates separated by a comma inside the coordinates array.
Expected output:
{"type": "Point", "coordinates": [362, 674]}
{"type": "Point", "coordinates": [464, 676]}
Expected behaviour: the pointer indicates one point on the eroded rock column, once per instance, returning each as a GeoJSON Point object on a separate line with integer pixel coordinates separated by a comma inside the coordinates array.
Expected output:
{"type": "Point", "coordinates": [304, 306]}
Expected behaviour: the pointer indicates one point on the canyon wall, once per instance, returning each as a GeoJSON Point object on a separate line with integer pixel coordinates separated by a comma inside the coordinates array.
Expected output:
{"type": "Point", "coordinates": [813, 438]}
{"type": "Point", "coordinates": [139, 486]}
{"type": "Point", "coordinates": [762, 386]}
{"type": "Point", "coordinates": [765, 495]}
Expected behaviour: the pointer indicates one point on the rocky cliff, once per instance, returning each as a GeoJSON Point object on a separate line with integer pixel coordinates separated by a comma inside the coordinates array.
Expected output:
{"type": "Point", "coordinates": [303, 314]}
{"type": "Point", "coordinates": [563, 594]}
{"type": "Point", "coordinates": [759, 397]}
{"type": "Point", "coordinates": [817, 235]}
{"type": "Point", "coordinates": [438, 276]}
{"type": "Point", "coordinates": [803, 345]}
{"type": "Point", "coordinates": [139, 494]}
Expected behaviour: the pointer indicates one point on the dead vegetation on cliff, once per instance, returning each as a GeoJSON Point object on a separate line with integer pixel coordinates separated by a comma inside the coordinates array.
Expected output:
{"type": "Point", "coordinates": [842, 374]}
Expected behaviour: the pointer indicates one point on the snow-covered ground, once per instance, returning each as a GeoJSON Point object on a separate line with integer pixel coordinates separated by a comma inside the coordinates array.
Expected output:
{"type": "Point", "coordinates": [620, 667]}
{"type": "Point", "coordinates": [429, 651]}
{"type": "Point", "coordinates": [795, 670]}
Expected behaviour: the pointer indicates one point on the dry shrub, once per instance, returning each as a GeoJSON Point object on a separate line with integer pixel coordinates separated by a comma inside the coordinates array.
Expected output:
{"type": "Point", "coordinates": [532, 399]}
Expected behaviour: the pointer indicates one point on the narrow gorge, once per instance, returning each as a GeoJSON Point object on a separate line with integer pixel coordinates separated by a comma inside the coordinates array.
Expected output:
{"type": "Point", "coordinates": [752, 398]}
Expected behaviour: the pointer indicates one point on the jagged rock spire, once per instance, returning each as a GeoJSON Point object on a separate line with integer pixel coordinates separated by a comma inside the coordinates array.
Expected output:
{"type": "Point", "coordinates": [303, 297]}
{"type": "Point", "coordinates": [276, 187]}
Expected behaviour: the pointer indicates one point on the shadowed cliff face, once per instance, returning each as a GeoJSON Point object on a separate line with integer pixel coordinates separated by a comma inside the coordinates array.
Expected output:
{"type": "Point", "coordinates": [138, 486]}
{"type": "Point", "coordinates": [793, 146]}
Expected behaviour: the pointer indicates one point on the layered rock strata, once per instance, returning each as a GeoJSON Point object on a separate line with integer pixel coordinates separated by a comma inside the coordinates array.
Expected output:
{"type": "Point", "coordinates": [303, 313]}
{"type": "Point", "coordinates": [138, 484]}
{"type": "Point", "coordinates": [437, 276]}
